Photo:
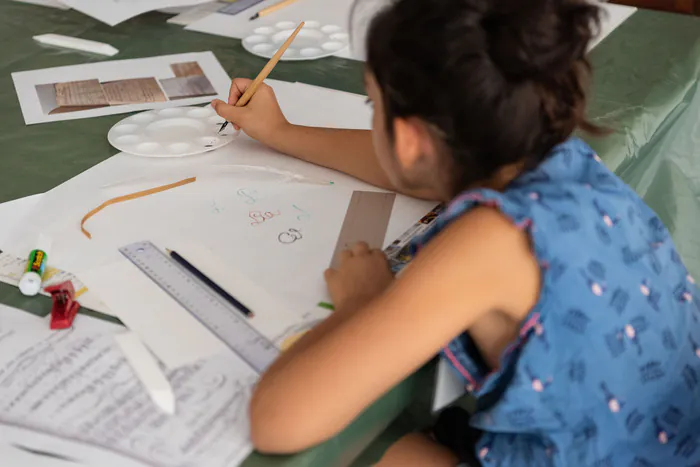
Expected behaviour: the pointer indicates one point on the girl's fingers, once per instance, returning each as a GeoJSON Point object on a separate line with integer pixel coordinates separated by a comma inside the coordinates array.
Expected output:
{"type": "Point", "coordinates": [238, 87]}
{"type": "Point", "coordinates": [360, 248]}
{"type": "Point", "coordinates": [345, 255]}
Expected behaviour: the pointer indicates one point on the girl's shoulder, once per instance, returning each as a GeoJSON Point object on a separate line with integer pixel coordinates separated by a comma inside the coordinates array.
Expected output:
{"type": "Point", "coordinates": [557, 202]}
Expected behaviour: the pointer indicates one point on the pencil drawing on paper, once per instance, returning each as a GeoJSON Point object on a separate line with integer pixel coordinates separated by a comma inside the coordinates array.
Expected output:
{"type": "Point", "coordinates": [289, 236]}
{"type": "Point", "coordinates": [248, 196]}
{"type": "Point", "coordinates": [259, 217]}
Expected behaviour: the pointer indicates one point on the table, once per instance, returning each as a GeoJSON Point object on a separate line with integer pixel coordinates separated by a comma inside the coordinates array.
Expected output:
{"type": "Point", "coordinates": [645, 88]}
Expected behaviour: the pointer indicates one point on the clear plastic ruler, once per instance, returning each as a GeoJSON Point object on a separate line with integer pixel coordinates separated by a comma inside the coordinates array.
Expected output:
{"type": "Point", "coordinates": [220, 317]}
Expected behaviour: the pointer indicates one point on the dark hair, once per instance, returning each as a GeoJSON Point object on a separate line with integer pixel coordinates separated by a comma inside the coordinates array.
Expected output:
{"type": "Point", "coordinates": [501, 81]}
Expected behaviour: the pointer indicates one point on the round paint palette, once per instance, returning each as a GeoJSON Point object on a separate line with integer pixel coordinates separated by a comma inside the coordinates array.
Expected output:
{"type": "Point", "coordinates": [313, 41]}
{"type": "Point", "coordinates": [171, 132]}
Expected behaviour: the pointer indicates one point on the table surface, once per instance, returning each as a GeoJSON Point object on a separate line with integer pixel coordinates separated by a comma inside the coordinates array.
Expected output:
{"type": "Point", "coordinates": [645, 89]}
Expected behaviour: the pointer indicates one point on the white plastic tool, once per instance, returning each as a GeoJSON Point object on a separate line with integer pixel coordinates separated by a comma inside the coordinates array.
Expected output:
{"type": "Point", "coordinates": [148, 371]}
{"type": "Point", "coordinates": [313, 41]}
{"type": "Point", "coordinates": [75, 43]}
{"type": "Point", "coordinates": [171, 132]}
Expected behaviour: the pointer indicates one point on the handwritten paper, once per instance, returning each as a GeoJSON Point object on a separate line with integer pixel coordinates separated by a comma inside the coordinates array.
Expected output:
{"type": "Point", "coordinates": [18, 455]}
{"type": "Point", "coordinates": [87, 93]}
{"type": "Point", "coordinates": [73, 394]}
{"type": "Point", "coordinates": [133, 91]}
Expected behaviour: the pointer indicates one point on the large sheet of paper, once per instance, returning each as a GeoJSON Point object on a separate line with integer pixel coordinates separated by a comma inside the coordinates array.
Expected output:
{"type": "Point", "coordinates": [144, 308]}
{"type": "Point", "coordinates": [121, 86]}
{"type": "Point", "coordinates": [48, 3]}
{"type": "Point", "coordinates": [72, 394]}
{"type": "Point", "coordinates": [614, 16]}
{"type": "Point", "coordinates": [12, 266]}
{"type": "Point", "coordinates": [339, 12]}
{"type": "Point", "coordinates": [336, 12]}
{"type": "Point", "coordinates": [262, 225]}
{"type": "Point", "coordinates": [113, 12]}
{"type": "Point", "coordinates": [19, 456]}
{"type": "Point", "coordinates": [191, 15]}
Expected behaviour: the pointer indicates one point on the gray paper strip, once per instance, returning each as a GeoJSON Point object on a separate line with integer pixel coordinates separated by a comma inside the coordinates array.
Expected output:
{"type": "Point", "coordinates": [366, 221]}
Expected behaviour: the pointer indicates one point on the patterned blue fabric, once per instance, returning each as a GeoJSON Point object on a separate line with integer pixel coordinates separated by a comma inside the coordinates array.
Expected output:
{"type": "Point", "coordinates": [606, 371]}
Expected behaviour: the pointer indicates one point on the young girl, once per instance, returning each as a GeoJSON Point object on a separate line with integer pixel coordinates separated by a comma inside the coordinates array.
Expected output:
{"type": "Point", "coordinates": [547, 283]}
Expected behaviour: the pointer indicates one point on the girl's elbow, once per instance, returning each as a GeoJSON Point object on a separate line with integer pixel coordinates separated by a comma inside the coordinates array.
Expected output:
{"type": "Point", "coordinates": [277, 428]}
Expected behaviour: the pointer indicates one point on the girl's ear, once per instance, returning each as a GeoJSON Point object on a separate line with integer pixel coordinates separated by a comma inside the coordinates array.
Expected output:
{"type": "Point", "coordinates": [413, 142]}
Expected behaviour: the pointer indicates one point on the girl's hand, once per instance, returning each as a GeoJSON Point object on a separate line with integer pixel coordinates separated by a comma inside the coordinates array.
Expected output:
{"type": "Point", "coordinates": [363, 274]}
{"type": "Point", "coordinates": [261, 118]}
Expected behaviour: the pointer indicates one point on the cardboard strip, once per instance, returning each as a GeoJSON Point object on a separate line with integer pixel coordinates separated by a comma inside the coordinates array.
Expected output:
{"type": "Point", "coordinates": [366, 220]}
{"type": "Point", "coordinates": [139, 194]}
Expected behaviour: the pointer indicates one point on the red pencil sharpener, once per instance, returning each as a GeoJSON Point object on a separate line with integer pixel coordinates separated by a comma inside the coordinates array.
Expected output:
{"type": "Point", "coordinates": [64, 306]}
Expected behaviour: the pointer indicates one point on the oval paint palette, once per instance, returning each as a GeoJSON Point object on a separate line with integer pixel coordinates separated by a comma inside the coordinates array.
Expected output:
{"type": "Point", "coordinates": [313, 41]}
{"type": "Point", "coordinates": [171, 132]}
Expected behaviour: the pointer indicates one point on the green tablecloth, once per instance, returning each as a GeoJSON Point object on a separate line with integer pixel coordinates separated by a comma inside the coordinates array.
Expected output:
{"type": "Point", "coordinates": [645, 88]}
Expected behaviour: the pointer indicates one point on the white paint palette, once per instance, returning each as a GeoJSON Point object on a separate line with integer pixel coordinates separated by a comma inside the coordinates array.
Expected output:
{"type": "Point", "coordinates": [171, 132]}
{"type": "Point", "coordinates": [313, 41]}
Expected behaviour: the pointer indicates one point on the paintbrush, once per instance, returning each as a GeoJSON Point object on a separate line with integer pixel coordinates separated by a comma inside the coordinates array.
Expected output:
{"type": "Point", "coordinates": [271, 9]}
{"type": "Point", "coordinates": [252, 89]}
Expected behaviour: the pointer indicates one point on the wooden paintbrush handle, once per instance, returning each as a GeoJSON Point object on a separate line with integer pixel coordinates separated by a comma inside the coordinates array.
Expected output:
{"type": "Point", "coordinates": [275, 7]}
{"type": "Point", "coordinates": [252, 89]}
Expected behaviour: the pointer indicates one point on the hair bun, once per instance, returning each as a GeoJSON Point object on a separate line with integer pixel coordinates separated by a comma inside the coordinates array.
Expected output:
{"type": "Point", "coordinates": [528, 39]}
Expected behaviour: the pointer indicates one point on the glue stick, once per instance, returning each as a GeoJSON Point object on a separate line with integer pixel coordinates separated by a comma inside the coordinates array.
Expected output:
{"type": "Point", "coordinates": [30, 282]}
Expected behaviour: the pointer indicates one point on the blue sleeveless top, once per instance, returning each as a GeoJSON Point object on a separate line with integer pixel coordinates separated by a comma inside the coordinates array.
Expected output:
{"type": "Point", "coordinates": [606, 369]}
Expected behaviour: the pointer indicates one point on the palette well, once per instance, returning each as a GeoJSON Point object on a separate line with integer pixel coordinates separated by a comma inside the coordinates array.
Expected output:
{"type": "Point", "coordinates": [315, 40]}
{"type": "Point", "coordinates": [171, 132]}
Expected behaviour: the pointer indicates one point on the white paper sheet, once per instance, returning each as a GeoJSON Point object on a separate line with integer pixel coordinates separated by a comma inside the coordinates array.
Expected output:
{"type": "Point", "coordinates": [338, 12]}
{"type": "Point", "coordinates": [448, 386]}
{"type": "Point", "coordinates": [113, 12]}
{"type": "Point", "coordinates": [19, 456]}
{"type": "Point", "coordinates": [13, 211]}
{"type": "Point", "coordinates": [35, 102]}
{"type": "Point", "coordinates": [281, 282]}
{"type": "Point", "coordinates": [614, 16]}
{"type": "Point", "coordinates": [71, 393]}
{"type": "Point", "coordinates": [335, 12]}
{"type": "Point", "coordinates": [12, 265]}
{"type": "Point", "coordinates": [148, 311]}
{"type": "Point", "coordinates": [190, 15]}
{"type": "Point", "coordinates": [48, 3]}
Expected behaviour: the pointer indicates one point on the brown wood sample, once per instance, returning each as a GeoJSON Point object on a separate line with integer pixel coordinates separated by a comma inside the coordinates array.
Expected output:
{"type": "Point", "coordinates": [86, 93]}
{"type": "Point", "coordinates": [133, 91]}
{"type": "Point", "coordinates": [185, 69]}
